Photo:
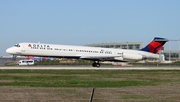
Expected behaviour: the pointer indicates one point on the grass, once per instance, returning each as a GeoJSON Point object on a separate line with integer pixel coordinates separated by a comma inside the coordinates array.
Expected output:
{"type": "Point", "coordinates": [87, 78]}
{"type": "Point", "coordinates": [76, 85]}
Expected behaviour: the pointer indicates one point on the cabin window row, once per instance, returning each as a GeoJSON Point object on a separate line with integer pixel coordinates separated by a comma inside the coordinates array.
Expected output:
{"type": "Point", "coordinates": [42, 48]}
{"type": "Point", "coordinates": [86, 51]}
{"type": "Point", "coordinates": [108, 52]}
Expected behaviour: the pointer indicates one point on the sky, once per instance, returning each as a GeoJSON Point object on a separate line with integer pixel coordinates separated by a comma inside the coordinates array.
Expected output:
{"type": "Point", "coordinates": [80, 22]}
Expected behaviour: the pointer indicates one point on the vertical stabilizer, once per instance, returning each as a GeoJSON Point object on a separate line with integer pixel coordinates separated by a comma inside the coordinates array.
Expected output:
{"type": "Point", "coordinates": [155, 45]}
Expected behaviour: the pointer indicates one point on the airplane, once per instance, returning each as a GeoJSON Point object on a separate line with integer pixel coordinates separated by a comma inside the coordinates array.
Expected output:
{"type": "Point", "coordinates": [95, 54]}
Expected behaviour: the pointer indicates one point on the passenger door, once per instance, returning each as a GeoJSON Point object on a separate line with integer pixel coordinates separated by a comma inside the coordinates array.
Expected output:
{"type": "Point", "coordinates": [23, 48]}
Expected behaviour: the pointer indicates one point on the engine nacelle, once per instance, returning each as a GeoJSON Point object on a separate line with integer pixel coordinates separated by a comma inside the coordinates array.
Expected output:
{"type": "Point", "coordinates": [119, 58]}
{"type": "Point", "coordinates": [130, 56]}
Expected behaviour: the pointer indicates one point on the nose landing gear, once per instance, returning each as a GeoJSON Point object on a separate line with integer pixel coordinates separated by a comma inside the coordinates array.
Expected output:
{"type": "Point", "coordinates": [14, 57]}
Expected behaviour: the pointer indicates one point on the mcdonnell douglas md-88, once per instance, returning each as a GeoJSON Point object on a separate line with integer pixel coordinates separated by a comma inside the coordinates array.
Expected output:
{"type": "Point", "coordinates": [95, 54]}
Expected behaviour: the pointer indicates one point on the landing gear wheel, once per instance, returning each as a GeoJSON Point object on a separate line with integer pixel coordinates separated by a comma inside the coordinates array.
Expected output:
{"type": "Point", "coordinates": [14, 57]}
{"type": "Point", "coordinates": [96, 64]}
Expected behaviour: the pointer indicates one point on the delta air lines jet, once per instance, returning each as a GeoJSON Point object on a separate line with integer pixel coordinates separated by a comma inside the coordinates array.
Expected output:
{"type": "Point", "coordinates": [95, 54]}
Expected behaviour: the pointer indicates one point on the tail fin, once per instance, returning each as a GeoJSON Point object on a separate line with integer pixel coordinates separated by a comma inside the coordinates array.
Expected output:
{"type": "Point", "coordinates": [155, 45]}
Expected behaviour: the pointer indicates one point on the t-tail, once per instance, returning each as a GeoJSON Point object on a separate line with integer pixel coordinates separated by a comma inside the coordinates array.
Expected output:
{"type": "Point", "coordinates": [155, 45]}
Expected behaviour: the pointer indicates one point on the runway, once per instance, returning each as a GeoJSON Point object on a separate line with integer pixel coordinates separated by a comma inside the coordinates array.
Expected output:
{"type": "Point", "coordinates": [88, 68]}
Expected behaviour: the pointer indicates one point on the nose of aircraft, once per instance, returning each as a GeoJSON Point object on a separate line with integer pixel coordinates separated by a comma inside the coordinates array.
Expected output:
{"type": "Point", "coordinates": [9, 51]}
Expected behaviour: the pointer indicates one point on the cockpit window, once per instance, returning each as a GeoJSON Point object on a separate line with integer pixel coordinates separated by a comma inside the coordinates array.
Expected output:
{"type": "Point", "coordinates": [17, 45]}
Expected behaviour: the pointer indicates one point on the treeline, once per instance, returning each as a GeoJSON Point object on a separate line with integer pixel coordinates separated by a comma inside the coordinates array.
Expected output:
{"type": "Point", "coordinates": [57, 62]}
{"type": "Point", "coordinates": [86, 62]}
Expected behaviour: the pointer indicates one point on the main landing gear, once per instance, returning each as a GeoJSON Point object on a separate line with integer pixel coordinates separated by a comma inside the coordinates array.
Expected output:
{"type": "Point", "coordinates": [96, 64]}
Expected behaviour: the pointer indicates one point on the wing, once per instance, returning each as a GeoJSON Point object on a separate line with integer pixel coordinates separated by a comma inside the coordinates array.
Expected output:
{"type": "Point", "coordinates": [101, 58]}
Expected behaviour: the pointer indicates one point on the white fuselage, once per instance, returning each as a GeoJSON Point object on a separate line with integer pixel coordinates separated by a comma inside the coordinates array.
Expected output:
{"type": "Point", "coordinates": [79, 52]}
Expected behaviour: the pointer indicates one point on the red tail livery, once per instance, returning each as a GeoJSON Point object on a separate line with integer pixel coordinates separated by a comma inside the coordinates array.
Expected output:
{"type": "Point", "coordinates": [155, 45]}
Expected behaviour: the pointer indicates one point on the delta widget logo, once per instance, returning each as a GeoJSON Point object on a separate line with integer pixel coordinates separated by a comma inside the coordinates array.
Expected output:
{"type": "Point", "coordinates": [29, 45]}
